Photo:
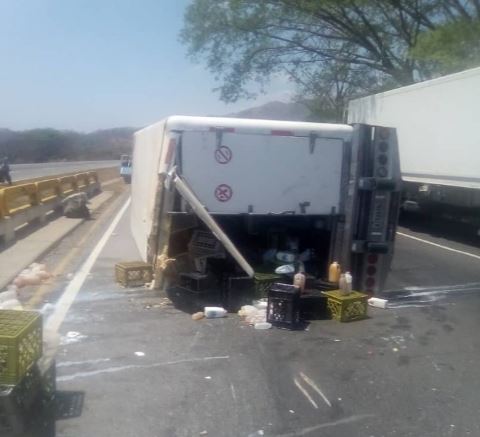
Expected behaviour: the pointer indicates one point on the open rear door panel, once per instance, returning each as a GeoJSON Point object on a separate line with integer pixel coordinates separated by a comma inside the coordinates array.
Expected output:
{"type": "Point", "coordinates": [263, 174]}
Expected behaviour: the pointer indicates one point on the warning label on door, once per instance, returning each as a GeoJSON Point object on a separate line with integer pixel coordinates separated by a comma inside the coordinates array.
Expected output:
{"type": "Point", "coordinates": [223, 193]}
{"type": "Point", "coordinates": [223, 155]}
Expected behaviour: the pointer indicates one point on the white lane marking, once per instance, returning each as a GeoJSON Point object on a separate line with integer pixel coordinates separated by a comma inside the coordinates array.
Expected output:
{"type": "Point", "coordinates": [311, 429]}
{"type": "Point", "coordinates": [312, 384]}
{"type": "Point", "coordinates": [431, 243]}
{"type": "Point", "coordinates": [136, 366]}
{"type": "Point", "coordinates": [68, 296]}
{"type": "Point", "coordinates": [305, 393]}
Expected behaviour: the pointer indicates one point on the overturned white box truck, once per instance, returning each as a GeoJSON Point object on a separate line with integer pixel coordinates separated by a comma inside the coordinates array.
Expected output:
{"type": "Point", "coordinates": [219, 203]}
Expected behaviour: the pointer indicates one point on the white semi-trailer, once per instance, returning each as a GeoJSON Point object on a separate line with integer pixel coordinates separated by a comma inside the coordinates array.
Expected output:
{"type": "Point", "coordinates": [437, 123]}
{"type": "Point", "coordinates": [217, 200]}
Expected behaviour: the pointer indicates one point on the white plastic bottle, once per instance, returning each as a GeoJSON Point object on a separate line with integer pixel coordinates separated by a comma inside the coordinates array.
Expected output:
{"type": "Point", "coordinates": [214, 312]}
{"type": "Point", "coordinates": [348, 283]}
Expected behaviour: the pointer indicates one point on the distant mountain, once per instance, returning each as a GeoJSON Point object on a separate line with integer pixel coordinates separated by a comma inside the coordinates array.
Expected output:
{"type": "Point", "coordinates": [277, 111]}
{"type": "Point", "coordinates": [42, 145]}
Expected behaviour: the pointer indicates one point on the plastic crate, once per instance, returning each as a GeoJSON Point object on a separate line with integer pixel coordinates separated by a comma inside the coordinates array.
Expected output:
{"type": "Point", "coordinates": [347, 308]}
{"type": "Point", "coordinates": [133, 273]}
{"type": "Point", "coordinates": [283, 307]}
{"type": "Point", "coordinates": [28, 408]}
{"type": "Point", "coordinates": [263, 282]}
{"type": "Point", "coordinates": [20, 344]}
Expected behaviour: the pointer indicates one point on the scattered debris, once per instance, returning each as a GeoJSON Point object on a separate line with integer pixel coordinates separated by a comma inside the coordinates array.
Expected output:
{"type": "Point", "coordinates": [198, 316]}
{"type": "Point", "coordinates": [71, 337]}
{"type": "Point", "coordinates": [395, 349]}
{"type": "Point", "coordinates": [260, 304]}
{"type": "Point", "coordinates": [35, 274]}
{"type": "Point", "coordinates": [140, 354]}
{"type": "Point", "coordinates": [291, 411]}
{"type": "Point", "coordinates": [253, 315]}
{"type": "Point", "coordinates": [208, 377]}
{"type": "Point", "coordinates": [73, 334]}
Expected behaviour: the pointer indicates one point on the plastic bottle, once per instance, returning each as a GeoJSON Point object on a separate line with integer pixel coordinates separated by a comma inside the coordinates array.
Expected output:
{"type": "Point", "coordinates": [263, 325]}
{"type": "Point", "coordinates": [214, 312]}
{"type": "Point", "coordinates": [299, 279]}
{"type": "Point", "coordinates": [342, 284]}
{"type": "Point", "coordinates": [348, 283]}
{"type": "Point", "coordinates": [334, 272]}
{"type": "Point", "coordinates": [377, 302]}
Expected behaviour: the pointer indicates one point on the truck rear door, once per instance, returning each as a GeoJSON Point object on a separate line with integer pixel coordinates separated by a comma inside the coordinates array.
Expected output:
{"type": "Point", "coordinates": [238, 173]}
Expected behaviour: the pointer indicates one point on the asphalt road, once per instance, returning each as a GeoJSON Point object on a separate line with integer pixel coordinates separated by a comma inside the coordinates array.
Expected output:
{"type": "Point", "coordinates": [28, 171]}
{"type": "Point", "coordinates": [144, 368]}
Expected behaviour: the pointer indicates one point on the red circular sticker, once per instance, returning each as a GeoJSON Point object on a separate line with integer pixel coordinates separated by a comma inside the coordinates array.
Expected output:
{"type": "Point", "coordinates": [223, 193]}
{"type": "Point", "coordinates": [223, 155]}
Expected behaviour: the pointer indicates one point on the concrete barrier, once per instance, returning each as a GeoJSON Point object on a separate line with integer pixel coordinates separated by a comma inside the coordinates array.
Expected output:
{"type": "Point", "coordinates": [30, 203]}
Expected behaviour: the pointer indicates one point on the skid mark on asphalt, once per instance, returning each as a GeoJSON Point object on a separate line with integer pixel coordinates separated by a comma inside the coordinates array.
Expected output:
{"type": "Point", "coordinates": [137, 366]}
{"type": "Point", "coordinates": [312, 384]}
{"type": "Point", "coordinates": [311, 429]}
{"type": "Point", "coordinates": [305, 393]}
{"type": "Point", "coordinates": [304, 390]}
{"type": "Point", "coordinates": [82, 363]}
{"type": "Point", "coordinates": [440, 246]}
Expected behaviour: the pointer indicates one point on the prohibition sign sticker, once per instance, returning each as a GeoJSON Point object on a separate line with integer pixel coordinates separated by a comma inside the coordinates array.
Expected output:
{"type": "Point", "coordinates": [223, 193]}
{"type": "Point", "coordinates": [223, 155]}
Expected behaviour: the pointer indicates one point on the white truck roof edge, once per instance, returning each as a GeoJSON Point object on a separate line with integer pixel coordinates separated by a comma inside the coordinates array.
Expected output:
{"type": "Point", "coordinates": [425, 83]}
{"type": "Point", "coordinates": [185, 122]}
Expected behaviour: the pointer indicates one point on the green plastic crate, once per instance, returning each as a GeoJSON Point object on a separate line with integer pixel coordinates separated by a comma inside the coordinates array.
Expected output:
{"type": "Point", "coordinates": [133, 273]}
{"type": "Point", "coordinates": [20, 344]}
{"type": "Point", "coordinates": [263, 282]}
{"type": "Point", "coordinates": [347, 308]}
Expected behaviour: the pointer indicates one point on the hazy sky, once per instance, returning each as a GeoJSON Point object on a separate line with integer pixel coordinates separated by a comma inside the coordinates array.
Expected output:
{"type": "Point", "coordinates": [92, 64]}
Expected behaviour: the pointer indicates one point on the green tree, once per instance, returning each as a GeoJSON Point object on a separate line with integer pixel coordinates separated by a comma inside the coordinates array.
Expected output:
{"type": "Point", "coordinates": [449, 48]}
{"type": "Point", "coordinates": [333, 49]}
